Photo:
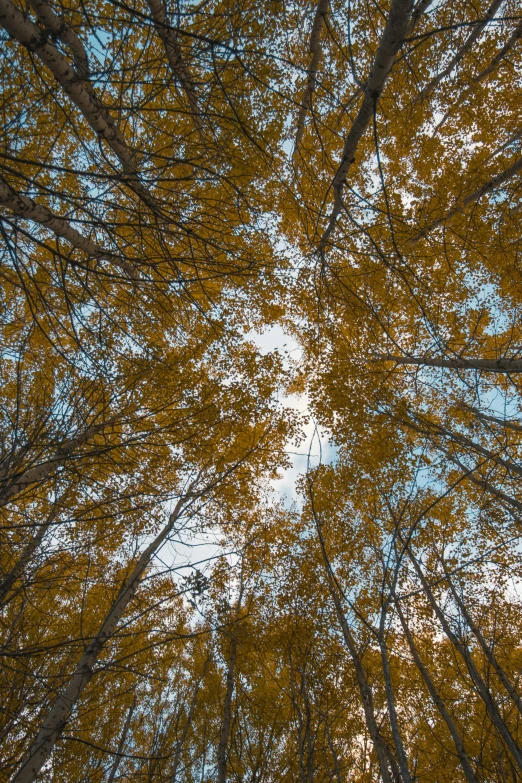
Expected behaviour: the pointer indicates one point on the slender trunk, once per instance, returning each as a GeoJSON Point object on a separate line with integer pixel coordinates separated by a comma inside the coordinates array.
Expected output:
{"type": "Point", "coordinates": [26, 208]}
{"type": "Point", "coordinates": [476, 678]}
{"type": "Point", "coordinates": [483, 483]}
{"type": "Point", "coordinates": [488, 365]}
{"type": "Point", "coordinates": [390, 698]}
{"type": "Point", "coordinates": [365, 690]}
{"type": "Point", "coordinates": [446, 717]}
{"type": "Point", "coordinates": [227, 711]}
{"type": "Point", "coordinates": [485, 646]}
{"type": "Point", "coordinates": [176, 62]}
{"type": "Point", "coordinates": [466, 94]}
{"type": "Point", "coordinates": [316, 52]}
{"type": "Point", "coordinates": [181, 742]}
{"type": "Point", "coordinates": [471, 198]}
{"type": "Point", "coordinates": [80, 93]}
{"type": "Point", "coordinates": [14, 485]}
{"type": "Point", "coordinates": [337, 766]}
{"type": "Point", "coordinates": [419, 9]}
{"type": "Point", "coordinates": [509, 425]}
{"type": "Point", "coordinates": [393, 36]}
{"type": "Point", "coordinates": [464, 49]}
{"type": "Point", "coordinates": [65, 33]}
{"type": "Point", "coordinates": [59, 714]}
{"type": "Point", "coordinates": [17, 570]}
{"type": "Point", "coordinates": [464, 441]}
{"type": "Point", "coordinates": [510, 43]}
{"type": "Point", "coordinates": [506, 144]}
{"type": "Point", "coordinates": [121, 743]}
{"type": "Point", "coordinates": [308, 733]}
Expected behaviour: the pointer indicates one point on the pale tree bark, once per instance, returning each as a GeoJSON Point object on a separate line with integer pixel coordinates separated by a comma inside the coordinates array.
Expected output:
{"type": "Point", "coordinates": [39, 473]}
{"type": "Point", "coordinates": [308, 731]}
{"type": "Point", "coordinates": [23, 561]}
{"type": "Point", "coordinates": [439, 703]}
{"type": "Point", "coordinates": [65, 33]}
{"type": "Point", "coordinates": [190, 716]}
{"type": "Point", "coordinates": [464, 49]}
{"type": "Point", "coordinates": [510, 43]}
{"type": "Point", "coordinates": [469, 92]}
{"type": "Point", "coordinates": [456, 437]}
{"type": "Point", "coordinates": [60, 712]}
{"type": "Point", "coordinates": [80, 93]}
{"type": "Point", "coordinates": [487, 365]}
{"type": "Point", "coordinates": [24, 207]}
{"type": "Point", "coordinates": [365, 690]}
{"type": "Point", "coordinates": [505, 423]}
{"type": "Point", "coordinates": [175, 58]}
{"type": "Point", "coordinates": [470, 473]}
{"type": "Point", "coordinates": [476, 678]}
{"type": "Point", "coordinates": [419, 9]}
{"type": "Point", "coordinates": [227, 713]}
{"type": "Point", "coordinates": [121, 743]}
{"type": "Point", "coordinates": [390, 698]}
{"type": "Point", "coordinates": [301, 727]}
{"type": "Point", "coordinates": [226, 723]}
{"type": "Point", "coordinates": [488, 650]}
{"type": "Point", "coordinates": [315, 50]}
{"type": "Point", "coordinates": [514, 137]}
{"type": "Point", "coordinates": [395, 31]}
{"type": "Point", "coordinates": [471, 198]}
{"type": "Point", "coordinates": [482, 481]}
{"type": "Point", "coordinates": [335, 758]}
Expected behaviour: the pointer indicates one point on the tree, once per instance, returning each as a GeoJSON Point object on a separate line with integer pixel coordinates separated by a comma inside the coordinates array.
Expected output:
{"type": "Point", "coordinates": [175, 179]}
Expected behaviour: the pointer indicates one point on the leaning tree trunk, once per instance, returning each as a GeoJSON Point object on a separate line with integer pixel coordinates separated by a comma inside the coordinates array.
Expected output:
{"type": "Point", "coordinates": [60, 713]}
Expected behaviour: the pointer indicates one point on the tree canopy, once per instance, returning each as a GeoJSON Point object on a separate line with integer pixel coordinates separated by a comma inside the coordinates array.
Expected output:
{"type": "Point", "coordinates": [176, 179]}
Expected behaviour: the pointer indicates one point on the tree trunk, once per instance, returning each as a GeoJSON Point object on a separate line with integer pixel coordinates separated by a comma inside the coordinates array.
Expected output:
{"type": "Point", "coordinates": [364, 686]}
{"type": "Point", "coordinates": [390, 697]}
{"type": "Point", "coordinates": [446, 717]}
{"type": "Point", "coordinates": [59, 714]}
{"type": "Point", "coordinates": [121, 743]}
{"type": "Point", "coordinates": [227, 712]}
{"type": "Point", "coordinates": [476, 678]}
{"type": "Point", "coordinates": [315, 51]}
{"type": "Point", "coordinates": [181, 742]}
{"type": "Point", "coordinates": [464, 49]}
{"type": "Point", "coordinates": [395, 31]}
{"type": "Point", "coordinates": [488, 365]}
{"type": "Point", "coordinates": [486, 648]}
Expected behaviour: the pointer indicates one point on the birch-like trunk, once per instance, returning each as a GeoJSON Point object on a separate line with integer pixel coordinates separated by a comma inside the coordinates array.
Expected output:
{"type": "Point", "coordinates": [24, 207]}
{"type": "Point", "coordinates": [121, 743]}
{"type": "Point", "coordinates": [488, 365]}
{"type": "Point", "coordinates": [80, 93]}
{"type": "Point", "coordinates": [395, 31]}
{"type": "Point", "coordinates": [365, 690]}
{"type": "Point", "coordinates": [176, 62]}
{"type": "Point", "coordinates": [227, 711]}
{"type": "Point", "coordinates": [390, 698]}
{"type": "Point", "coordinates": [30, 548]}
{"type": "Point", "coordinates": [316, 52]}
{"type": "Point", "coordinates": [439, 703]}
{"type": "Point", "coordinates": [59, 714]}
{"type": "Point", "coordinates": [65, 33]}
{"type": "Point", "coordinates": [478, 681]}
{"type": "Point", "coordinates": [488, 650]}
{"type": "Point", "coordinates": [464, 49]}
{"type": "Point", "coordinates": [181, 742]}
{"type": "Point", "coordinates": [39, 473]}
{"type": "Point", "coordinates": [494, 182]}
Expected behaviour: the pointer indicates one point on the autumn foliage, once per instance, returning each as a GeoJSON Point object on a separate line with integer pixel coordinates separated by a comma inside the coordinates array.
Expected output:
{"type": "Point", "coordinates": [176, 180]}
